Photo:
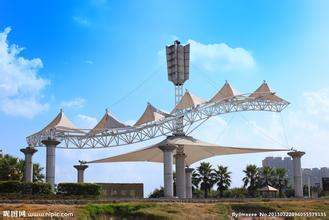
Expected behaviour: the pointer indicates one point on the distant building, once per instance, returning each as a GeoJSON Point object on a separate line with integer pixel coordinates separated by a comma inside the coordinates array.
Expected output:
{"type": "Point", "coordinates": [279, 162]}
{"type": "Point", "coordinates": [325, 183]}
{"type": "Point", "coordinates": [121, 190]}
{"type": "Point", "coordinates": [315, 175]}
{"type": "Point", "coordinates": [1, 152]}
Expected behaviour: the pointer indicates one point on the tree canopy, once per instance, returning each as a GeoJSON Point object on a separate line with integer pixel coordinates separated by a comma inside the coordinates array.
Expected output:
{"type": "Point", "coordinates": [12, 168]}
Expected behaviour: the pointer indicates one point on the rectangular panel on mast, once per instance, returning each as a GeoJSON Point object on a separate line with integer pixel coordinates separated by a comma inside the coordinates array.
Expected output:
{"type": "Point", "coordinates": [178, 61]}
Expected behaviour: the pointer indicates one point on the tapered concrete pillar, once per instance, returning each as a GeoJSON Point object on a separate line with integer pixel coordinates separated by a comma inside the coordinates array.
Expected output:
{"type": "Point", "coordinates": [167, 170]}
{"type": "Point", "coordinates": [81, 172]}
{"type": "Point", "coordinates": [188, 182]}
{"type": "Point", "coordinates": [50, 160]}
{"type": "Point", "coordinates": [180, 173]}
{"type": "Point", "coordinates": [297, 172]}
{"type": "Point", "coordinates": [28, 171]}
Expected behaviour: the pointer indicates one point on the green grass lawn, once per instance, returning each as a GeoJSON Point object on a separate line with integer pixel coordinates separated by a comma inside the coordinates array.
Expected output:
{"type": "Point", "coordinates": [221, 210]}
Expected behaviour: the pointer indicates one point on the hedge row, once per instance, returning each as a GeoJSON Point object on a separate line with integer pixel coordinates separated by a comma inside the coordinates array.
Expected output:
{"type": "Point", "coordinates": [25, 188]}
{"type": "Point", "coordinates": [67, 189]}
{"type": "Point", "coordinates": [86, 189]}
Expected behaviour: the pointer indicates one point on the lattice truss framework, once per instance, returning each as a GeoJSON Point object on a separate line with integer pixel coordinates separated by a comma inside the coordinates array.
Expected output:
{"type": "Point", "coordinates": [192, 118]}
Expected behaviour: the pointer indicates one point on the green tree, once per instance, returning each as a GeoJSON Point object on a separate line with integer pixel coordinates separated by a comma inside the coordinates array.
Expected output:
{"type": "Point", "coordinates": [12, 168]}
{"type": "Point", "coordinates": [174, 183]}
{"type": "Point", "coordinates": [205, 175]}
{"type": "Point", "coordinates": [267, 176]}
{"type": "Point", "coordinates": [251, 179]}
{"type": "Point", "coordinates": [280, 180]}
{"type": "Point", "coordinates": [157, 193]}
{"type": "Point", "coordinates": [195, 180]}
{"type": "Point", "coordinates": [223, 179]}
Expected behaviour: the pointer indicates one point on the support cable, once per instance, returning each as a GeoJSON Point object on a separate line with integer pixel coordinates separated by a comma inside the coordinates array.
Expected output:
{"type": "Point", "coordinates": [264, 133]}
{"type": "Point", "coordinates": [220, 135]}
{"type": "Point", "coordinates": [212, 82]}
{"type": "Point", "coordinates": [198, 125]}
{"type": "Point", "coordinates": [284, 130]}
{"type": "Point", "coordinates": [122, 98]}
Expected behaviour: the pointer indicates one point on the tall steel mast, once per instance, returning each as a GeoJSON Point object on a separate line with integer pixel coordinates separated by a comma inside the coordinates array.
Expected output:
{"type": "Point", "coordinates": [178, 61]}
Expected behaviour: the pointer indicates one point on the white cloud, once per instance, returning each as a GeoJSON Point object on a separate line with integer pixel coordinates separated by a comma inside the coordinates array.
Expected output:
{"type": "Point", "coordinates": [20, 84]}
{"type": "Point", "coordinates": [85, 121]}
{"type": "Point", "coordinates": [318, 103]}
{"type": "Point", "coordinates": [74, 103]}
{"type": "Point", "coordinates": [83, 21]}
{"type": "Point", "coordinates": [90, 62]}
{"type": "Point", "coordinates": [217, 57]}
{"type": "Point", "coordinates": [220, 57]}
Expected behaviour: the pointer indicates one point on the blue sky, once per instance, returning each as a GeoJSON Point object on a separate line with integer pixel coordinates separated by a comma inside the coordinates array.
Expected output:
{"type": "Point", "coordinates": [86, 56]}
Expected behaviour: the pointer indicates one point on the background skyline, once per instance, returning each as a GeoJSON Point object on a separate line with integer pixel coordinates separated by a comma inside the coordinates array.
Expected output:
{"type": "Point", "coordinates": [88, 56]}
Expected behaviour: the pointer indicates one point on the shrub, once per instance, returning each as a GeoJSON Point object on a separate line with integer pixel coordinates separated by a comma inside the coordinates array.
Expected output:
{"type": "Point", "coordinates": [289, 192]}
{"type": "Point", "coordinates": [124, 210]}
{"type": "Point", "coordinates": [41, 188]}
{"type": "Point", "coordinates": [86, 189]}
{"type": "Point", "coordinates": [10, 187]}
{"type": "Point", "coordinates": [252, 208]}
{"type": "Point", "coordinates": [157, 193]}
{"type": "Point", "coordinates": [235, 193]}
{"type": "Point", "coordinates": [198, 193]}
{"type": "Point", "coordinates": [25, 188]}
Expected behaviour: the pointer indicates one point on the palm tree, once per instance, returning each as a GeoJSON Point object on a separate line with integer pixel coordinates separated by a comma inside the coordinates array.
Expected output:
{"type": "Point", "coordinates": [174, 183]}
{"type": "Point", "coordinates": [267, 176]}
{"type": "Point", "coordinates": [223, 179]}
{"type": "Point", "coordinates": [195, 180]}
{"type": "Point", "coordinates": [251, 180]}
{"type": "Point", "coordinates": [12, 168]}
{"type": "Point", "coordinates": [38, 176]}
{"type": "Point", "coordinates": [280, 180]}
{"type": "Point", "coordinates": [206, 177]}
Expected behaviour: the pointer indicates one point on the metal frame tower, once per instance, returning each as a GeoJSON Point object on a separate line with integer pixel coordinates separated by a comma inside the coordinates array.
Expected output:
{"type": "Point", "coordinates": [178, 61]}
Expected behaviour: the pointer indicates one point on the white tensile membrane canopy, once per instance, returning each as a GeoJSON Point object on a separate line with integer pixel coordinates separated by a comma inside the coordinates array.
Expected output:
{"type": "Point", "coordinates": [188, 101]}
{"type": "Point", "coordinates": [151, 114]}
{"type": "Point", "coordinates": [108, 122]}
{"type": "Point", "coordinates": [225, 93]}
{"type": "Point", "coordinates": [268, 188]}
{"type": "Point", "coordinates": [61, 123]}
{"type": "Point", "coordinates": [194, 149]}
{"type": "Point", "coordinates": [265, 92]}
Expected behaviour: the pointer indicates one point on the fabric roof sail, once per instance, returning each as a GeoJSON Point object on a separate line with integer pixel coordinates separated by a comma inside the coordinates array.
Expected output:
{"type": "Point", "coordinates": [224, 93]}
{"type": "Point", "coordinates": [265, 92]}
{"type": "Point", "coordinates": [150, 114]}
{"type": "Point", "coordinates": [61, 122]}
{"type": "Point", "coordinates": [108, 122]}
{"type": "Point", "coordinates": [268, 188]}
{"type": "Point", "coordinates": [195, 150]}
{"type": "Point", "coordinates": [188, 101]}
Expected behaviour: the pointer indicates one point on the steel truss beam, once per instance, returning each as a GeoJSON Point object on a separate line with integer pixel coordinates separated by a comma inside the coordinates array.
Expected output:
{"type": "Point", "coordinates": [191, 117]}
